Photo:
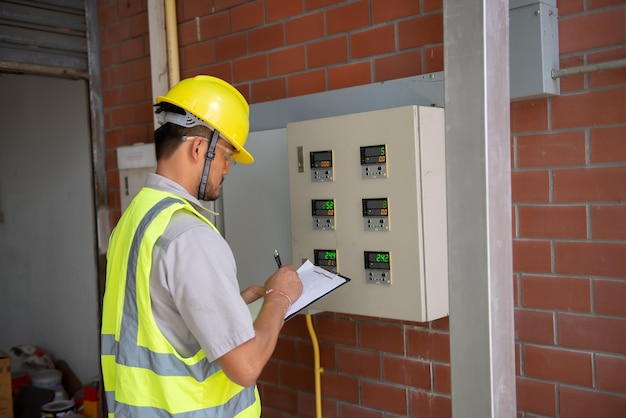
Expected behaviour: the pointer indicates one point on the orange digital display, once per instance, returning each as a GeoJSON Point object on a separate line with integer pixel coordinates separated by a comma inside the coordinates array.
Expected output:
{"type": "Point", "coordinates": [321, 159]}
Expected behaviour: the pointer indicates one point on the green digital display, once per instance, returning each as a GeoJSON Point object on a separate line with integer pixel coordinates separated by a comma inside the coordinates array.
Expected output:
{"type": "Point", "coordinates": [377, 260]}
{"type": "Point", "coordinates": [375, 207]}
{"type": "Point", "coordinates": [382, 257]}
{"type": "Point", "coordinates": [325, 258]}
{"type": "Point", "coordinates": [324, 207]}
{"type": "Point", "coordinates": [375, 154]}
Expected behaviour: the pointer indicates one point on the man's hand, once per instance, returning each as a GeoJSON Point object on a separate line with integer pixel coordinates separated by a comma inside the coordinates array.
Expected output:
{"type": "Point", "coordinates": [287, 281]}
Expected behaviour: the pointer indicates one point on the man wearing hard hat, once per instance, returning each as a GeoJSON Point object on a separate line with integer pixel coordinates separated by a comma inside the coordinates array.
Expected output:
{"type": "Point", "coordinates": [177, 335]}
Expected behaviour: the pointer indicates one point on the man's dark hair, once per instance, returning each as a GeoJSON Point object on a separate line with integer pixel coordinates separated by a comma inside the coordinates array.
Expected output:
{"type": "Point", "coordinates": [168, 137]}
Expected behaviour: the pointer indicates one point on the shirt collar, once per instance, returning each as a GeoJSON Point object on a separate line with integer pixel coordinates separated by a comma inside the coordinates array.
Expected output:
{"type": "Point", "coordinates": [164, 184]}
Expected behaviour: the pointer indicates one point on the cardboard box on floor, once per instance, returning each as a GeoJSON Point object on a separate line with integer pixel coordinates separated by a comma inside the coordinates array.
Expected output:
{"type": "Point", "coordinates": [6, 392]}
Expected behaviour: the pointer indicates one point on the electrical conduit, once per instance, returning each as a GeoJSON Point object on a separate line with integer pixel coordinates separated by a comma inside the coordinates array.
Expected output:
{"type": "Point", "coordinates": [171, 38]}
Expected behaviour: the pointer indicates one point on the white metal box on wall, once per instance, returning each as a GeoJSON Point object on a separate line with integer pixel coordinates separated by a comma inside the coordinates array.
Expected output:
{"type": "Point", "coordinates": [134, 163]}
{"type": "Point", "coordinates": [534, 48]}
{"type": "Point", "coordinates": [368, 200]}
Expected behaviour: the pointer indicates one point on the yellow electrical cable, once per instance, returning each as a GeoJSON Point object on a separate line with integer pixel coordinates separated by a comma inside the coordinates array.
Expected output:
{"type": "Point", "coordinates": [316, 367]}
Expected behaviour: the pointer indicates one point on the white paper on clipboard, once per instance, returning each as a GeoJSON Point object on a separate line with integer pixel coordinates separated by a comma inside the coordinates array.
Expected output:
{"type": "Point", "coordinates": [316, 283]}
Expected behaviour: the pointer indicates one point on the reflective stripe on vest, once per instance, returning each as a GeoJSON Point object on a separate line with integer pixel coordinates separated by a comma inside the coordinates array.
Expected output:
{"type": "Point", "coordinates": [139, 381]}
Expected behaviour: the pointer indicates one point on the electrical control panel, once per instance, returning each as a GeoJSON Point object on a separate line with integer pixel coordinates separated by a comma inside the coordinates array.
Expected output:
{"type": "Point", "coordinates": [368, 201]}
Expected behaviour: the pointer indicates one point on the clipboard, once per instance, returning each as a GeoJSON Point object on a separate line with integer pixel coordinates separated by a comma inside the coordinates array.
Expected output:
{"type": "Point", "coordinates": [317, 282]}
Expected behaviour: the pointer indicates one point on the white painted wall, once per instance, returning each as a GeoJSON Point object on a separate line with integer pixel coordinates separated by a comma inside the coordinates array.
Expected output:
{"type": "Point", "coordinates": [48, 275]}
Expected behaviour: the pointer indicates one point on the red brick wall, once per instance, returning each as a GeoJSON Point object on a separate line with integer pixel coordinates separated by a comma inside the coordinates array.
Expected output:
{"type": "Point", "coordinates": [569, 189]}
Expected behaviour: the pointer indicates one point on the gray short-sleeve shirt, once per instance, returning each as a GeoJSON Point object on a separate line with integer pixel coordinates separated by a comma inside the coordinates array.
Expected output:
{"type": "Point", "coordinates": [195, 295]}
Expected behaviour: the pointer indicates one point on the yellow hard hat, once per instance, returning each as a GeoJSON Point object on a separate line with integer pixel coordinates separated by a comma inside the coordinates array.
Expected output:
{"type": "Point", "coordinates": [219, 105]}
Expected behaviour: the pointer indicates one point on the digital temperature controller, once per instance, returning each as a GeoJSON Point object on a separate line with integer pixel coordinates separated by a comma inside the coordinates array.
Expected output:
{"type": "Point", "coordinates": [373, 161]}
{"type": "Point", "coordinates": [326, 259]}
{"type": "Point", "coordinates": [377, 260]}
{"type": "Point", "coordinates": [321, 159]}
{"type": "Point", "coordinates": [375, 207]}
{"type": "Point", "coordinates": [321, 165]}
{"type": "Point", "coordinates": [323, 207]}
{"type": "Point", "coordinates": [323, 212]}
{"type": "Point", "coordinates": [373, 155]}
{"type": "Point", "coordinates": [375, 214]}
{"type": "Point", "coordinates": [377, 267]}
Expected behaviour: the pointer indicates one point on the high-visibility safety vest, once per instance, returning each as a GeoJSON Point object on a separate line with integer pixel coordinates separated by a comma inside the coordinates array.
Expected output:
{"type": "Point", "coordinates": [143, 374]}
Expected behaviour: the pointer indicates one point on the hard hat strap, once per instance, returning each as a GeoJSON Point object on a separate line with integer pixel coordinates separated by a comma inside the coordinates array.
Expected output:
{"type": "Point", "coordinates": [210, 154]}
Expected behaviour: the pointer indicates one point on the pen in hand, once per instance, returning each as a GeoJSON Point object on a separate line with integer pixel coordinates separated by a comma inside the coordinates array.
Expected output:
{"type": "Point", "coordinates": [277, 258]}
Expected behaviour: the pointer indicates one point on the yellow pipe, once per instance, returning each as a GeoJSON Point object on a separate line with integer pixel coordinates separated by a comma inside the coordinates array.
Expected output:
{"type": "Point", "coordinates": [316, 367]}
{"type": "Point", "coordinates": [171, 38]}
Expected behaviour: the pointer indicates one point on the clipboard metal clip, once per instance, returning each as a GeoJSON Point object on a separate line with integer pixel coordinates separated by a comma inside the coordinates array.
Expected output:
{"type": "Point", "coordinates": [324, 272]}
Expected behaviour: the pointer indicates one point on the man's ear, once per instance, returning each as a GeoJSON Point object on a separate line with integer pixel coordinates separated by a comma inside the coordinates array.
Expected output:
{"type": "Point", "coordinates": [196, 149]}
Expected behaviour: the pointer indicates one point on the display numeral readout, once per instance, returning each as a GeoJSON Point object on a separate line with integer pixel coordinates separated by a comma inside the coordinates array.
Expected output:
{"type": "Point", "coordinates": [375, 154]}
{"type": "Point", "coordinates": [378, 260]}
{"type": "Point", "coordinates": [375, 207]}
{"type": "Point", "coordinates": [325, 258]}
{"type": "Point", "coordinates": [321, 159]}
{"type": "Point", "coordinates": [324, 207]}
